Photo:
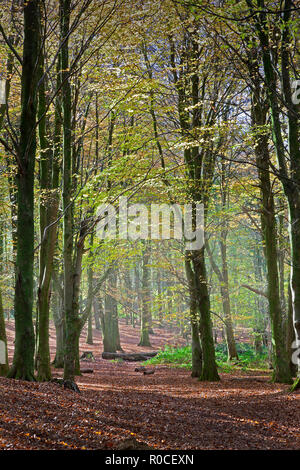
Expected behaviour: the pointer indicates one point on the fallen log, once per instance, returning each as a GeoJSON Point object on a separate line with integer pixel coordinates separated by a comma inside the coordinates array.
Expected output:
{"type": "Point", "coordinates": [144, 370]}
{"type": "Point", "coordinates": [149, 372]}
{"type": "Point", "coordinates": [132, 357]}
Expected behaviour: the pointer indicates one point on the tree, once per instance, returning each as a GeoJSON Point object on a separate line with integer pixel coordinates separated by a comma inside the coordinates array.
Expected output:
{"type": "Point", "coordinates": [268, 222]}
{"type": "Point", "coordinates": [199, 161]}
{"type": "Point", "coordinates": [146, 313]}
{"type": "Point", "coordinates": [222, 273]}
{"type": "Point", "coordinates": [23, 361]}
{"type": "Point", "coordinates": [4, 367]}
{"type": "Point", "coordinates": [49, 203]}
{"type": "Point", "coordinates": [288, 165]}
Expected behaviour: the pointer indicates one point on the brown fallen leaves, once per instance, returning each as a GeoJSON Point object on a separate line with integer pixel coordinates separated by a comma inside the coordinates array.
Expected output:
{"type": "Point", "coordinates": [166, 410]}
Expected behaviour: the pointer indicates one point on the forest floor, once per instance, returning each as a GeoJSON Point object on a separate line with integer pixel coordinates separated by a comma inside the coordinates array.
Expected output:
{"type": "Point", "coordinates": [166, 410]}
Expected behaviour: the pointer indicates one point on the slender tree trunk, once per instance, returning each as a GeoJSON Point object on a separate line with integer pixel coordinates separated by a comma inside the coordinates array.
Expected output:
{"type": "Point", "coordinates": [281, 261]}
{"type": "Point", "coordinates": [72, 254]}
{"type": "Point", "coordinates": [90, 275]}
{"type": "Point", "coordinates": [146, 314]}
{"type": "Point", "coordinates": [137, 283]}
{"type": "Point", "coordinates": [290, 339]}
{"type": "Point", "coordinates": [89, 337]}
{"type": "Point", "coordinates": [49, 181]}
{"type": "Point", "coordinates": [97, 305]}
{"type": "Point", "coordinates": [60, 342]}
{"type": "Point", "coordinates": [159, 293]}
{"type": "Point", "coordinates": [111, 337]}
{"type": "Point", "coordinates": [224, 288]}
{"type": "Point", "coordinates": [59, 318]}
{"type": "Point", "coordinates": [4, 367]}
{"type": "Point", "coordinates": [261, 335]}
{"type": "Point", "coordinates": [231, 346]}
{"type": "Point", "coordinates": [72, 324]}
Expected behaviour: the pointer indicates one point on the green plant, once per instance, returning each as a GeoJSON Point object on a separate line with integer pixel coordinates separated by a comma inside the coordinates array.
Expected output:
{"type": "Point", "coordinates": [182, 357]}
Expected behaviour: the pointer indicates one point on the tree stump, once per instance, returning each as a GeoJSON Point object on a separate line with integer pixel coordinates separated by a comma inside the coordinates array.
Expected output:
{"type": "Point", "coordinates": [67, 384]}
{"type": "Point", "coordinates": [87, 356]}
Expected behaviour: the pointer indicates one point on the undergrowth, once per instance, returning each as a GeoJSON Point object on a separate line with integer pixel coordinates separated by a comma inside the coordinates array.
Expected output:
{"type": "Point", "coordinates": [182, 357]}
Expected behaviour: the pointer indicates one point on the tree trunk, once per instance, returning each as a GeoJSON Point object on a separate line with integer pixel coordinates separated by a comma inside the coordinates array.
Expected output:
{"type": "Point", "coordinates": [292, 163]}
{"type": "Point", "coordinates": [295, 273]}
{"type": "Point", "coordinates": [89, 338]}
{"type": "Point", "coordinates": [209, 367]}
{"type": "Point", "coordinates": [110, 331]}
{"type": "Point", "coordinates": [97, 306]}
{"type": "Point", "coordinates": [23, 362]}
{"type": "Point", "coordinates": [3, 346]}
{"type": "Point", "coordinates": [49, 182]}
{"type": "Point", "coordinates": [60, 342]}
{"type": "Point", "coordinates": [224, 288]}
{"type": "Point", "coordinates": [290, 339]}
{"type": "Point", "coordinates": [159, 293]}
{"type": "Point", "coordinates": [4, 367]}
{"type": "Point", "coordinates": [194, 318]}
{"type": "Point", "coordinates": [72, 323]}
{"type": "Point", "coordinates": [200, 163]}
{"type": "Point", "coordinates": [146, 314]}
{"type": "Point", "coordinates": [137, 284]}
{"type": "Point", "coordinates": [59, 318]}
{"type": "Point", "coordinates": [281, 371]}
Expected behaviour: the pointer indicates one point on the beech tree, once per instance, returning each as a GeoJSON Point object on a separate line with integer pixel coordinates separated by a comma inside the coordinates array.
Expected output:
{"type": "Point", "coordinates": [23, 362]}
{"type": "Point", "coordinates": [288, 162]}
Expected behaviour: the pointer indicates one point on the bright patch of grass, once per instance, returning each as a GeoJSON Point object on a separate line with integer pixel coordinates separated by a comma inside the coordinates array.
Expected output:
{"type": "Point", "coordinates": [182, 357]}
{"type": "Point", "coordinates": [179, 357]}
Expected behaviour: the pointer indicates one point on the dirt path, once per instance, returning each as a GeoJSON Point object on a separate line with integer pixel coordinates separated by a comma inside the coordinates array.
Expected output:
{"type": "Point", "coordinates": [168, 410]}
